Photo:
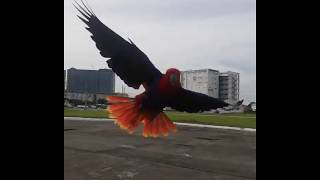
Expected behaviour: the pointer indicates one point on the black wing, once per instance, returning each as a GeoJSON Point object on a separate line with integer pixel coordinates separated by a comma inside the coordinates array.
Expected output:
{"type": "Point", "coordinates": [193, 102]}
{"type": "Point", "coordinates": [127, 61]}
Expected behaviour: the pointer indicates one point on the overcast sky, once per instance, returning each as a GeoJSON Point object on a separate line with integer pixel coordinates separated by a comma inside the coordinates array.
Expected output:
{"type": "Point", "coordinates": [185, 34]}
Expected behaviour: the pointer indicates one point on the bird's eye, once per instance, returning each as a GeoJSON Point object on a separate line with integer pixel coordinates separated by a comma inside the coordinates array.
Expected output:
{"type": "Point", "coordinates": [173, 79]}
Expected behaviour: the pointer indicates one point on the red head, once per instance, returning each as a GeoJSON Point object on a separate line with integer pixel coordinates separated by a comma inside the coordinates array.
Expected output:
{"type": "Point", "coordinates": [173, 76]}
{"type": "Point", "coordinates": [170, 82]}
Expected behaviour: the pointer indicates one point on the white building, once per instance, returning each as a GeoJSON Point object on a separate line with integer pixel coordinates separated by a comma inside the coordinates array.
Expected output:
{"type": "Point", "coordinates": [223, 85]}
{"type": "Point", "coordinates": [204, 81]}
{"type": "Point", "coordinates": [229, 86]}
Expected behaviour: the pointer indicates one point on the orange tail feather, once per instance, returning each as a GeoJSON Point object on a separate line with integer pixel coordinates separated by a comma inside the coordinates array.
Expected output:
{"type": "Point", "coordinates": [127, 114]}
{"type": "Point", "coordinates": [154, 128]}
{"type": "Point", "coordinates": [125, 111]}
{"type": "Point", "coordinates": [146, 129]}
{"type": "Point", "coordinates": [171, 127]}
{"type": "Point", "coordinates": [161, 125]}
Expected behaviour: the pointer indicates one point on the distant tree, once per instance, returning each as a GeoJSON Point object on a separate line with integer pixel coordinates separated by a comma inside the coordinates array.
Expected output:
{"type": "Point", "coordinates": [102, 101]}
{"type": "Point", "coordinates": [76, 102]}
{"type": "Point", "coordinates": [248, 108]}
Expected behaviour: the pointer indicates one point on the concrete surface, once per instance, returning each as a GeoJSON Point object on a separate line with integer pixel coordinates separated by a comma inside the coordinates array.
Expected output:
{"type": "Point", "coordinates": [100, 150]}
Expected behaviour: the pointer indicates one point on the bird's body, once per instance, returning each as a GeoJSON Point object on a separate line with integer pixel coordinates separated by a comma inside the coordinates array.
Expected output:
{"type": "Point", "coordinates": [159, 94]}
{"type": "Point", "coordinates": [135, 69]}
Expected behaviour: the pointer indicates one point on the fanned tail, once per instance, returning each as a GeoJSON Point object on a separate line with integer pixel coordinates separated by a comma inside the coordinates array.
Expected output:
{"type": "Point", "coordinates": [125, 111]}
{"type": "Point", "coordinates": [161, 125]}
{"type": "Point", "coordinates": [128, 115]}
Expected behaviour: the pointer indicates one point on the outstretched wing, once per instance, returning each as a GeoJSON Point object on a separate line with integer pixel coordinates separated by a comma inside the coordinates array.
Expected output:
{"type": "Point", "coordinates": [193, 102]}
{"type": "Point", "coordinates": [125, 58]}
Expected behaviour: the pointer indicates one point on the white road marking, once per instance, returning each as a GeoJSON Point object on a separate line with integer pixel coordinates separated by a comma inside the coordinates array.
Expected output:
{"type": "Point", "coordinates": [181, 124]}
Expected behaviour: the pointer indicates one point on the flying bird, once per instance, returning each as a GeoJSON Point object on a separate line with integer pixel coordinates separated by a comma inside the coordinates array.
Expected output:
{"type": "Point", "coordinates": [135, 69]}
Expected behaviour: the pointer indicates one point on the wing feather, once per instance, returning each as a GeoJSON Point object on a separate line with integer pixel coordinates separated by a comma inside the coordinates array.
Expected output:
{"type": "Point", "coordinates": [193, 102]}
{"type": "Point", "coordinates": [124, 58]}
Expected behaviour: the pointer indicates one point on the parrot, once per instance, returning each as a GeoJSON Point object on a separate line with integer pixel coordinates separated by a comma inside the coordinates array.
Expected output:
{"type": "Point", "coordinates": [134, 68]}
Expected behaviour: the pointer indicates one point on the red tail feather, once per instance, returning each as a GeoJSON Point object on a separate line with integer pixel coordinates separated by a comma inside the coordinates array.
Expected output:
{"type": "Point", "coordinates": [161, 125]}
{"type": "Point", "coordinates": [128, 115]}
{"type": "Point", "coordinates": [125, 111]}
{"type": "Point", "coordinates": [146, 129]}
{"type": "Point", "coordinates": [172, 127]}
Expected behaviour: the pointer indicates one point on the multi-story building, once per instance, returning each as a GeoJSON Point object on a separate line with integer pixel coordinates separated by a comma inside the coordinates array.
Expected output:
{"type": "Point", "coordinates": [223, 85]}
{"type": "Point", "coordinates": [90, 81]}
{"type": "Point", "coordinates": [204, 81]}
{"type": "Point", "coordinates": [229, 86]}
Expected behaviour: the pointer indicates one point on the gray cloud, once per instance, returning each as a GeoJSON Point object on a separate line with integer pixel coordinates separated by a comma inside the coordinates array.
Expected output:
{"type": "Point", "coordinates": [184, 10]}
{"type": "Point", "coordinates": [186, 34]}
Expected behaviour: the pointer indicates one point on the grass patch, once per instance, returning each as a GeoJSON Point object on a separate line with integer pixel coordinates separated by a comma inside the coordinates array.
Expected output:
{"type": "Point", "coordinates": [88, 113]}
{"type": "Point", "coordinates": [234, 120]}
{"type": "Point", "coordinates": [242, 120]}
